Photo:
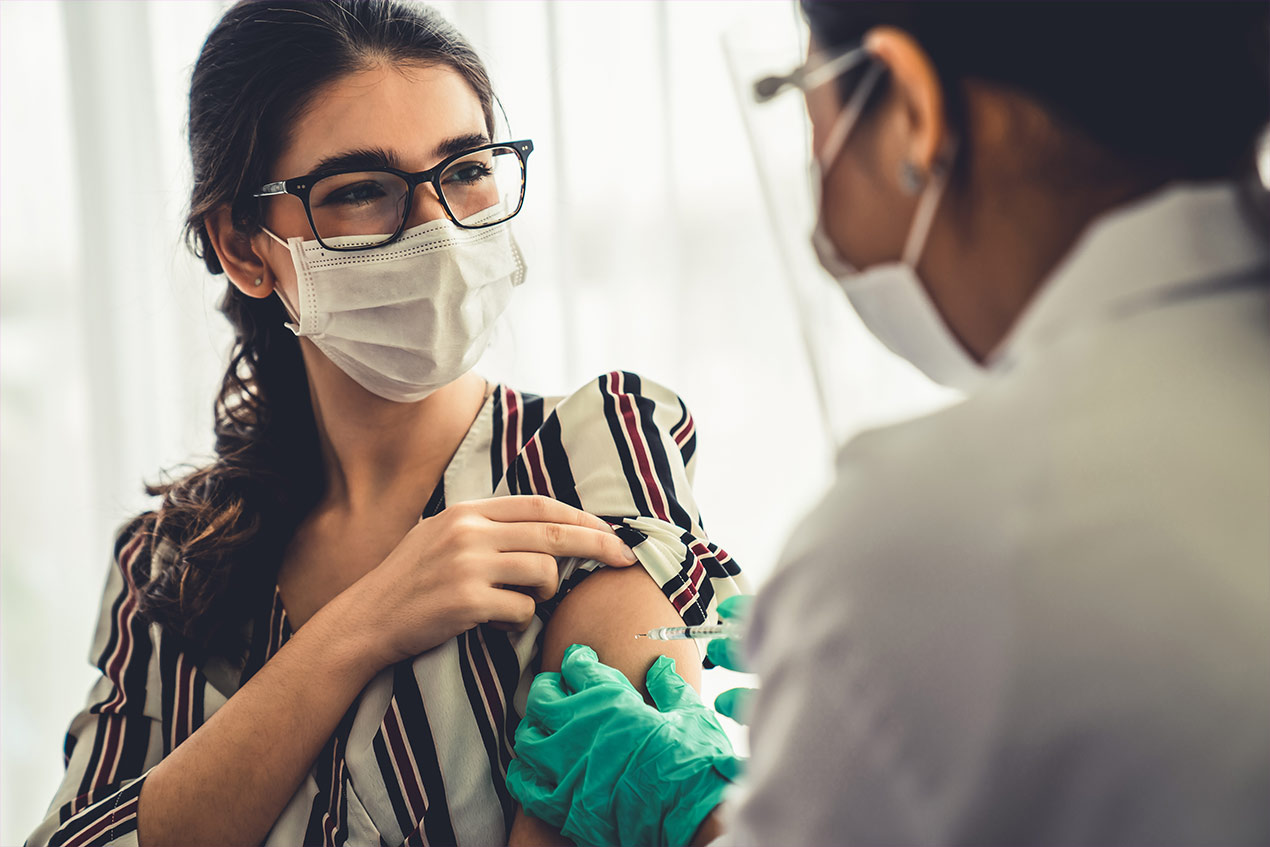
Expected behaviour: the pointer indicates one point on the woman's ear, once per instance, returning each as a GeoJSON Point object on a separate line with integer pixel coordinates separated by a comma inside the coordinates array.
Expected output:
{"type": "Point", "coordinates": [921, 95]}
{"type": "Point", "coordinates": [245, 267]}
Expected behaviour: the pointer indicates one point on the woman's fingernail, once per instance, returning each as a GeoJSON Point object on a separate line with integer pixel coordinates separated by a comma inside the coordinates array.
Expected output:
{"type": "Point", "coordinates": [628, 555]}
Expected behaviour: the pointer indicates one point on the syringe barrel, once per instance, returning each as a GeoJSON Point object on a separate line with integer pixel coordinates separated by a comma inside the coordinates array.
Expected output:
{"type": "Point", "coordinates": [705, 631]}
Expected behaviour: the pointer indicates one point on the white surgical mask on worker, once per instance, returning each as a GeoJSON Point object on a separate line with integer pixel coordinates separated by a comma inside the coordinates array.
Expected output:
{"type": "Point", "coordinates": [405, 319]}
{"type": "Point", "coordinates": [889, 297]}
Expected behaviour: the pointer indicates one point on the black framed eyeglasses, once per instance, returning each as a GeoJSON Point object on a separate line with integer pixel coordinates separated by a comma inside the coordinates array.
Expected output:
{"type": "Point", "coordinates": [365, 208]}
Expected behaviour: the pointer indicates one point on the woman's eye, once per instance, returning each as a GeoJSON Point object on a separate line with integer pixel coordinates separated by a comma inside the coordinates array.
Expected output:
{"type": "Point", "coordinates": [355, 195]}
{"type": "Point", "coordinates": [468, 172]}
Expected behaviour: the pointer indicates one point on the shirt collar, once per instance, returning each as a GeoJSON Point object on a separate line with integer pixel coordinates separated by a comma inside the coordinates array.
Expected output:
{"type": "Point", "coordinates": [1178, 235]}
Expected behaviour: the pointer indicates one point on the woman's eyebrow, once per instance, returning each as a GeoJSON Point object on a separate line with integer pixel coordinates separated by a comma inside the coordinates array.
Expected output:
{"type": "Point", "coordinates": [366, 158]}
{"type": "Point", "coordinates": [460, 143]}
{"type": "Point", "coordinates": [377, 157]}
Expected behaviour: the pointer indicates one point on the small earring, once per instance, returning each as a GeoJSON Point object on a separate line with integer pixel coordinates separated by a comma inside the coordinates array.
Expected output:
{"type": "Point", "coordinates": [259, 281]}
{"type": "Point", "coordinates": [911, 179]}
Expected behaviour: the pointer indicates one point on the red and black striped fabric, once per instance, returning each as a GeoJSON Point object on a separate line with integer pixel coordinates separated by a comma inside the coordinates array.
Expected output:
{"type": "Point", "coordinates": [421, 756]}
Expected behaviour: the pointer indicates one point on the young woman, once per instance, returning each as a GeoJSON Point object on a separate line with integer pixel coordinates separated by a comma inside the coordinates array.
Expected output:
{"type": "Point", "coordinates": [327, 635]}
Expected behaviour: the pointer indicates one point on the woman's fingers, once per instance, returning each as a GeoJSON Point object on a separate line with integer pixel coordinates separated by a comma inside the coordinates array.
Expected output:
{"type": "Point", "coordinates": [530, 523]}
{"type": "Point", "coordinates": [510, 607]}
{"type": "Point", "coordinates": [483, 561]}
{"type": "Point", "coordinates": [536, 572]}
{"type": "Point", "coordinates": [563, 540]}
{"type": "Point", "coordinates": [534, 508]}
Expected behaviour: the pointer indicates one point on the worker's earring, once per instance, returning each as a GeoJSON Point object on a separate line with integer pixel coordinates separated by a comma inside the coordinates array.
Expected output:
{"type": "Point", "coordinates": [258, 281]}
{"type": "Point", "coordinates": [911, 179]}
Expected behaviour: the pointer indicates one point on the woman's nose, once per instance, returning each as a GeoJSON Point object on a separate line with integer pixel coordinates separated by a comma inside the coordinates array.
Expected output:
{"type": "Point", "coordinates": [426, 207]}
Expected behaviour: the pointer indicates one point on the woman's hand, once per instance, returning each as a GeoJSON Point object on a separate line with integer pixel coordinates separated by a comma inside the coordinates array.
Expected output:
{"type": "Point", "coordinates": [486, 561]}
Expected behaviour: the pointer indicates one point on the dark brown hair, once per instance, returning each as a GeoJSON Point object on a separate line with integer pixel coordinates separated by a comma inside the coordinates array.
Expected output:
{"type": "Point", "coordinates": [1179, 90]}
{"type": "Point", "coordinates": [224, 527]}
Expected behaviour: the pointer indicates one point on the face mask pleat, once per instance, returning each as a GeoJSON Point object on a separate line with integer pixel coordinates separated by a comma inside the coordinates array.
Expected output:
{"type": "Point", "coordinates": [408, 318]}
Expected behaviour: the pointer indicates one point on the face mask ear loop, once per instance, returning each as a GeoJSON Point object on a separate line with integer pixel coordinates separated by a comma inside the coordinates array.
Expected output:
{"type": "Point", "coordinates": [847, 120]}
{"type": "Point", "coordinates": [926, 207]}
{"type": "Point", "coordinates": [294, 324]}
{"type": "Point", "coordinates": [294, 314]}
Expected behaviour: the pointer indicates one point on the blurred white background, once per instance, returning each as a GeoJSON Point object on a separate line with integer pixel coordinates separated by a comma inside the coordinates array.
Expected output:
{"type": "Point", "coordinates": [649, 244]}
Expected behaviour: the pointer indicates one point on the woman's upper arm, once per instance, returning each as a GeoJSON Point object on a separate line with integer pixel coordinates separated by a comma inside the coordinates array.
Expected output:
{"type": "Point", "coordinates": [623, 448]}
{"type": "Point", "coordinates": [629, 445]}
{"type": "Point", "coordinates": [605, 611]}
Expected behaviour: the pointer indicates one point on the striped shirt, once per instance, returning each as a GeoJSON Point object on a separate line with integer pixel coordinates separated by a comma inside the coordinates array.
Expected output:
{"type": "Point", "coordinates": [421, 756]}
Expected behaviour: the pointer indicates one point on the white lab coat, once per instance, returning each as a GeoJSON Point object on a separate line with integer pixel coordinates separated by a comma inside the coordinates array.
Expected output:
{"type": "Point", "coordinates": [1042, 616]}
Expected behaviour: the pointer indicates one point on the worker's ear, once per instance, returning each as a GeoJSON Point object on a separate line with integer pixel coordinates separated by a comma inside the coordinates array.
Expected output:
{"type": "Point", "coordinates": [916, 85]}
{"type": "Point", "coordinates": [240, 255]}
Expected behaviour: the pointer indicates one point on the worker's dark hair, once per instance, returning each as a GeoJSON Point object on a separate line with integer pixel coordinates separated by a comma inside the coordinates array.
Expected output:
{"type": "Point", "coordinates": [225, 526]}
{"type": "Point", "coordinates": [1180, 90]}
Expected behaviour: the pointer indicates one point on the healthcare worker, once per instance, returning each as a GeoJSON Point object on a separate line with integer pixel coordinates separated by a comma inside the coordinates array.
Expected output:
{"type": "Point", "coordinates": [1042, 615]}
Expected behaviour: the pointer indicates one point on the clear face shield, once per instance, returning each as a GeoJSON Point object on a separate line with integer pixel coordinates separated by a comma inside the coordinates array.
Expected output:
{"type": "Point", "coordinates": [859, 382]}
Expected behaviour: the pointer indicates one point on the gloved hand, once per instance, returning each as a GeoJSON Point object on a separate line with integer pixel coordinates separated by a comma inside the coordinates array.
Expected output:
{"type": "Point", "coordinates": [595, 760]}
{"type": "Point", "coordinates": [729, 653]}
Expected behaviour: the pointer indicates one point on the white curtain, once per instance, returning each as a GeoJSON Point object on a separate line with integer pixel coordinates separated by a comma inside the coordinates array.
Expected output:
{"type": "Point", "coordinates": [648, 244]}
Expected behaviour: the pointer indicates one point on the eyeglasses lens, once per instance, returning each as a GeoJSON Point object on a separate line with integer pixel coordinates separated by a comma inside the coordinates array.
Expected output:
{"type": "Point", "coordinates": [485, 187]}
{"type": "Point", "coordinates": [367, 203]}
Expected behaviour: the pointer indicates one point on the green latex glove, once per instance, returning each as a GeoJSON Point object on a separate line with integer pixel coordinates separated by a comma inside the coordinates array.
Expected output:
{"type": "Point", "coordinates": [595, 760]}
{"type": "Point", "coordinates": [730, 653]}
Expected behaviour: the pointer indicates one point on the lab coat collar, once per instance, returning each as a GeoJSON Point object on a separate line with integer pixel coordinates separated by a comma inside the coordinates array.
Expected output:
{"type": "Point", "coordinates": [1177, 236]}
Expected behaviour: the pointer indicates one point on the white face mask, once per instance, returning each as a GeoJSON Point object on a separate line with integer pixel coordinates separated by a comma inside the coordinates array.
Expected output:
{"type": "Point", "coordinates": [889, 297]}
{"type": "Point", "coordinates": [405, 319]}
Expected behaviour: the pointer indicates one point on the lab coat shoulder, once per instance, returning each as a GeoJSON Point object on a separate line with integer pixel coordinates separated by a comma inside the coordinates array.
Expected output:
{"type": "Point", "coordinates": [1141, 586]}
{"type": "Point", "coordinates": [1025, 613]}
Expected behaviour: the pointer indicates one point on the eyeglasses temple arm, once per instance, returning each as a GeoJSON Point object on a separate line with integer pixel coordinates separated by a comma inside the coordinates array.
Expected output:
{"type": "Point", "coordinates": [808, 78]}
{"type": "Point", "coordinates": [271, 189]}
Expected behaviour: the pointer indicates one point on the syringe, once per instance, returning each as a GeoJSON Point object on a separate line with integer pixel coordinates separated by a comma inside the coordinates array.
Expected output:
{"type": "Point", "coordinates": [677, 633]}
